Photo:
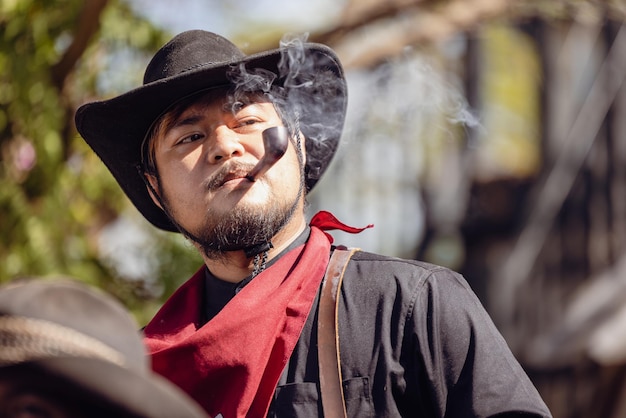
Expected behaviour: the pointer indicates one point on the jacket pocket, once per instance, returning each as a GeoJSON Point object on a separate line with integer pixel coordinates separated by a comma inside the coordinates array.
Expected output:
{"type": "Point", "coordinates": [357, 394]}
{"type": "Point", "coordinates": [303, 399]}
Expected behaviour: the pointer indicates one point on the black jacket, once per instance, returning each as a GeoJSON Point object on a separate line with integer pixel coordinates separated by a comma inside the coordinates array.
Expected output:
{"type": "Point", "coordinates": [415, 342]}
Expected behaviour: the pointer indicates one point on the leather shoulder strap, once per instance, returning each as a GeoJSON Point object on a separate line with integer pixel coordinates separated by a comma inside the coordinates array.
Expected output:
{"type": "Point", "coordinates": [333, 403]}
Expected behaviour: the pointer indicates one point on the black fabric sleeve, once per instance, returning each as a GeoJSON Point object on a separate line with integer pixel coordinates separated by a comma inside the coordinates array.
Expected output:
{"type": "Point", "coordinates": [415, 341]}
{"type": "Point", "coordinates": [452, 345]}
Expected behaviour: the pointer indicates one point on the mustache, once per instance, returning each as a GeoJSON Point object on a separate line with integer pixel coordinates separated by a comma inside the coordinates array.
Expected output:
{"type": "Point", "coordinates": [226, 173]}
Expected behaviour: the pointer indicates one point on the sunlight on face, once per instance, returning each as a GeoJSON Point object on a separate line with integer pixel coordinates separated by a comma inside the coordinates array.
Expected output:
{"type": "Point", "coordinates": [203, 153]}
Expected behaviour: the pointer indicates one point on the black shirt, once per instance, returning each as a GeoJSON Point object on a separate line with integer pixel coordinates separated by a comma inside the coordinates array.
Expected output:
{"type": "Point", "coordinates": [219, 292]}
{"type": "Point", "coordinates": [415, 342]}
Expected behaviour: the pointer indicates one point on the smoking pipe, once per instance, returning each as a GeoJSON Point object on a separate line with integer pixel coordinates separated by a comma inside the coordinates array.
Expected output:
{"type": "Point", "coordinates": [275, 141]}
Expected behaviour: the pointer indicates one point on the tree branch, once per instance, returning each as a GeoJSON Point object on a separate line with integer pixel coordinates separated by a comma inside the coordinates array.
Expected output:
{"type": "Point", "coordinates": [88, 25]}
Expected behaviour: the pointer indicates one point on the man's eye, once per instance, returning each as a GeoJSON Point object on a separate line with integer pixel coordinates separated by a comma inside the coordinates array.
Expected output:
{"type": "Point", "coordinates": [248, 125]}
{"type": "Point", "coordinates": [190, 138]}
{"type": "Point", "coordinates": [33, 406]}
{"type": "Point", "coordinates": [247, 122]}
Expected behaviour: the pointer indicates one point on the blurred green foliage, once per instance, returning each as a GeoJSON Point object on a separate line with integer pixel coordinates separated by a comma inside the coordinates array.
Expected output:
{"type": "Point", "coordinates": [56, 197]}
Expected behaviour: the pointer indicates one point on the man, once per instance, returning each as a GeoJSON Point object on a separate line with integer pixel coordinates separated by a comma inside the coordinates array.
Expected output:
{"type": "Point", "coordinates": [241, 336]}
{"type": "Point", "coordinates": [69, 351]}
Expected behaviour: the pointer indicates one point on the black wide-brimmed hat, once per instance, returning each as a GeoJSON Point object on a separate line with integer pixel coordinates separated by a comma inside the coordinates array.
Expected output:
{"type": "Point", "coordinates": [86, 337]}
{"type": "Point", "coordinates": [309, 76]}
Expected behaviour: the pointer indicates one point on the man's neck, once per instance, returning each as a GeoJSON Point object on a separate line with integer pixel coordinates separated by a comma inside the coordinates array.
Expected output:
{"type": "Point", "coordinates": [235, 266]}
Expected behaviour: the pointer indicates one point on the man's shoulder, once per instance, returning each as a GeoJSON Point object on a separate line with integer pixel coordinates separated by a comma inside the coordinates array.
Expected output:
{"type": "Point", "coordinates": [372, 270]}
{"type": "Point", "coordinates": [385, 263]}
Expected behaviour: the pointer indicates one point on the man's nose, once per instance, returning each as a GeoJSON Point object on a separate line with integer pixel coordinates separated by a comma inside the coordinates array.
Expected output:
{"type": "Point", "coordinates": [226, 144]}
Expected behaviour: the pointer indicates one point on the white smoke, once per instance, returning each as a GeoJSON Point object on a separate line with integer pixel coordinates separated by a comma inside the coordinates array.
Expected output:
{"type": "Point", "coordinates": [406, 121]}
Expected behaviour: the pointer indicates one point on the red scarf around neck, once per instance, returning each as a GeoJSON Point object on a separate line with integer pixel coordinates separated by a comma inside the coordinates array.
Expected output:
{"type": "Point", "coordinates": [231, 365]}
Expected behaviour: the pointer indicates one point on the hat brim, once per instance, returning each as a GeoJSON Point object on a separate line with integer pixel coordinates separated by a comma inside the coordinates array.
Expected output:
{"type": "Point", "coordinates": [87, 337]}
{"type": "Point", "coordinates": [148, 395]}
{"type": "Point", "coordinates": [115, 128]}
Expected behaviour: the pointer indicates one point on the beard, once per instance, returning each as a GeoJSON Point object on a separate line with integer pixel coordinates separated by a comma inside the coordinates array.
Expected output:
{"type": "Point", "coordinates": [243, 227]}
{"type": "Point", "coordinates": [240, 228]}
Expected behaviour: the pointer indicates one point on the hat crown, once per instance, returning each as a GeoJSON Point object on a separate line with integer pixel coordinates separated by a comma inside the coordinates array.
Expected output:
{"type": "Point", "coordinates": [76, 306]}
{"type": "Point", "coordinates": [190, 50]}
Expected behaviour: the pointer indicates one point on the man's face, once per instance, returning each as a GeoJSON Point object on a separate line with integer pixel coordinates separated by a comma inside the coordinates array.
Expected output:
{"type": "Point", "coordinates": [203, 156]}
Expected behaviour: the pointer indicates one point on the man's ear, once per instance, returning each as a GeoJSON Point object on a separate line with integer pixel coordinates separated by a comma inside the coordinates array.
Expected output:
{"type": "Point", "coordinates": [152, 184]}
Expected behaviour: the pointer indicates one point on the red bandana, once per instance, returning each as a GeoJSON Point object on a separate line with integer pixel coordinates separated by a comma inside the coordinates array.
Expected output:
{"type": "Point", "coordinates": [231, 365]}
